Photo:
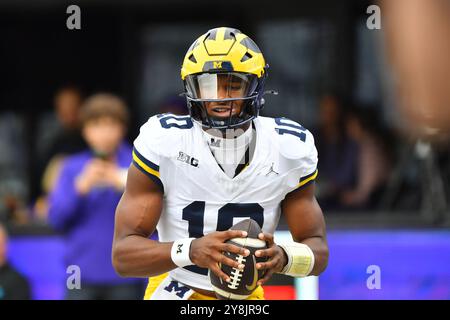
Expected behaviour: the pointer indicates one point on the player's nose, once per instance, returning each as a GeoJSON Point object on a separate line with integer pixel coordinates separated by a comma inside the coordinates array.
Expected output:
{"type": "Point", "coordinates": [222, 92]}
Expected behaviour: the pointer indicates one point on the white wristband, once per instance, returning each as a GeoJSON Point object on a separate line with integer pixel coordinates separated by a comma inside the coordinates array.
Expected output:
{"type": "Point", "coordinates": [300, 259]}
{"type": "Point", "coordinates": [180, 252]}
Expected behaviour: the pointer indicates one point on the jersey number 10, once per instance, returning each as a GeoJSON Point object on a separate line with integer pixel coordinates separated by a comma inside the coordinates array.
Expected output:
{"type": "Point", "coordinates": [195, 212]}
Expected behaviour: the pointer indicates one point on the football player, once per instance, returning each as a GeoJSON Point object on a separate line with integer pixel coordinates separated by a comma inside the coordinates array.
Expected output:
{"type": "Point", "coordinates": [193, 177]}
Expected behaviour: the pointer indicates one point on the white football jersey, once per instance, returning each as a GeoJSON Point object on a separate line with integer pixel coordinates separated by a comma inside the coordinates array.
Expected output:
{"type": "Point", "coordinates": [199, 198]}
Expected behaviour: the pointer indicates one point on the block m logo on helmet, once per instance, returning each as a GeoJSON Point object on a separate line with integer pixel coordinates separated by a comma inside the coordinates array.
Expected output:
{"type": "Point", "coordinates": [217, 66]}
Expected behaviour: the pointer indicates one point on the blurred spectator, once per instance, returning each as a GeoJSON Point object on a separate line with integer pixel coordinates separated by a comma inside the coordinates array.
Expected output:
{"type": "Point", "coordinates": [82, 204]}
{"type": "Point", "coordinates": [59, 132]}
{"type": "Point", "coordinates": [14, 189]}
{"type": "Point", "coordinates": [337, 152]}
{"type": "Point", "coordinates": [13, 286]}
{"type": "Point", "coordinates": [58, 136]}
{"type": "Point", "coordinates": [374, 159]}
{"type": "Point", "coordinates": [417, 38]}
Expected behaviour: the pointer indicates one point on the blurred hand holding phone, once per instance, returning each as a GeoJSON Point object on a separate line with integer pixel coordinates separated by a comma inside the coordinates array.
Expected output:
{"type": "Point", "coordinates": [101, 172]}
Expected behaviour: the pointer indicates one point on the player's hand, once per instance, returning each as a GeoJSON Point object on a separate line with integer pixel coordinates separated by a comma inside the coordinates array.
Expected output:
{"type": "Point", "coordinates": [207, 251]}
{"type": "Point", "coordinates": [276, 256]}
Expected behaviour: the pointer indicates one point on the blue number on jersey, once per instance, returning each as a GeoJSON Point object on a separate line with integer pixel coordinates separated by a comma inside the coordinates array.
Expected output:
{"type": "Point", "coordinates": [195, 212]}
{"type": "Point", "coordinates": [183, 122]}
{"type": "Point", "coordinates": [300, 135]}
{"type": "Point", "coordinates": [239, 210]}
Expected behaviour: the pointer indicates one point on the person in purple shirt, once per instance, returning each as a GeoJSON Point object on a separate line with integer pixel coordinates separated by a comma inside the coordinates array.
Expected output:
{"type": "Point", "coordinates": [83, 202]}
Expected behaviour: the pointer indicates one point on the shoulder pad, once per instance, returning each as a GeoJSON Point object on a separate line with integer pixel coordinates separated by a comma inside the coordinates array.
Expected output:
{"type": "Point", "coordinates": [293, 140]}
{"type": "Point", "coordinates": [162, 131]}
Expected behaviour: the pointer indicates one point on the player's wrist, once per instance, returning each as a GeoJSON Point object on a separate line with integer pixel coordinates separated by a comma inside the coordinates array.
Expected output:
{"type": "Point", "coordinates": [300, 259]}
{"type": "Point", "coordinates": [180, 252]}
{"type": "Point", "coordinates": [285, 258]}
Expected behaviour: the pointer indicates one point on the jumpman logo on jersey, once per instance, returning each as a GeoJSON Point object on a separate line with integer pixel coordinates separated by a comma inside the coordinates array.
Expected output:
{"type": "Point", "coordinates": [271, 170]}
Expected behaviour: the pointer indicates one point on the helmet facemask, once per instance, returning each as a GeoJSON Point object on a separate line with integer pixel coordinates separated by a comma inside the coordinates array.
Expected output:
{"type": "Point", "coordinates": [225, 99]}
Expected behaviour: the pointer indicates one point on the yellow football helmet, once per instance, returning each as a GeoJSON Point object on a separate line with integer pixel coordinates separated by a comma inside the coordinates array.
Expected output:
{"type": "Point", "coordinates": [225, 67]}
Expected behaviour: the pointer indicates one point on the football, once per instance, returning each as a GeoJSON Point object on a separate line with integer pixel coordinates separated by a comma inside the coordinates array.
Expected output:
{"type": "Point", "coordinates": [243, 282]}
